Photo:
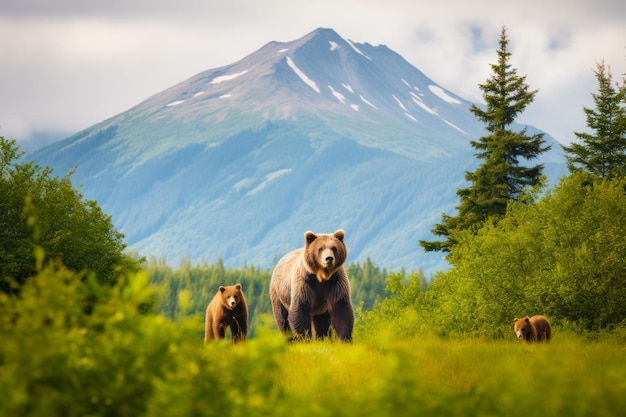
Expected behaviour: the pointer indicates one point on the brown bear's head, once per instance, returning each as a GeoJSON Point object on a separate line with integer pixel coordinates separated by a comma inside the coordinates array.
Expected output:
{"type": "Point", "coordinates": [231, 295]}
{"type": "Point", "coordinates": [324, 254]}
{"type": "Point", "coordinates": [523, 328]}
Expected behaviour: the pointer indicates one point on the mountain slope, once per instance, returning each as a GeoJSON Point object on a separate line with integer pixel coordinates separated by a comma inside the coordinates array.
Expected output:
{"type": "Point", "coordinates": [316, 134]}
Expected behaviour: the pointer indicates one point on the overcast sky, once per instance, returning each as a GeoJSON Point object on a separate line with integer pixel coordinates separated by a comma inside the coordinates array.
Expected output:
{"type": "Point", "coordinates": [68, 64]}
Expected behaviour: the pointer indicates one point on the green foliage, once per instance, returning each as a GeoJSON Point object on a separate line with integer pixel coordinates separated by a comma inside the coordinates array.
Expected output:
{"type": "Point", "coordinates": [196, 285]}
{"type": "Point", "coordinates": [603, 152]}
{"type": "Point", "coordinates": [58, 360]}
{"type": "Point", "coordinates": [40, 210]}
{"type": "Point", "coordinates": [501, 177]}
{"type": "Point", "coordinates": [395, 314]}
{"type": "Point", "coordinates": [564, 257]}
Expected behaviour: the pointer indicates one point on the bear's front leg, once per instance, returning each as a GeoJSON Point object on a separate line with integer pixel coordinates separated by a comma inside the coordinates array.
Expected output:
{"type": "Point", "coordinates": [280, 315]}
{"type": "Point", "coordinates": [342, 320]}
{"type": "Point", "coordinates": [208, 327]}
{"type": "Point", "coordinates": [218, 330]}
{"type": "Point", "coordinates": [238, 329]}
{"type": "Point", "coordinates": [300, 320]}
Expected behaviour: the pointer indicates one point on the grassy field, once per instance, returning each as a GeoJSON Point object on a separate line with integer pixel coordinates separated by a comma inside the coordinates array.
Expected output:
{"type": "Point", "coordinates": [116, 361]}
{"type": "Point", "coordinates": [568, 377]}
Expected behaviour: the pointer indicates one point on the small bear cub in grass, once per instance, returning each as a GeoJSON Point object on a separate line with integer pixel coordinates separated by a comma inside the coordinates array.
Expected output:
{"type": "Point", "coordinates": [533, 329]}
{"type": "Point", "coordinates": [227, 309]}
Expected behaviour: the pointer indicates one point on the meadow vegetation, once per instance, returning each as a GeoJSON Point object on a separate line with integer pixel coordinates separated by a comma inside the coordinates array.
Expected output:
{"type": "Point", "coordinates": [58, 359]}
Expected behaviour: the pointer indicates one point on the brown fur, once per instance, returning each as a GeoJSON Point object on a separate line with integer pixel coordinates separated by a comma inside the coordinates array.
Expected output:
{"type": "Point", "coordinates": [227, 309]}
{"type": "Point", "coordinates": [310, 290]}
{"type": "Point", "coordinates": [533, 329]}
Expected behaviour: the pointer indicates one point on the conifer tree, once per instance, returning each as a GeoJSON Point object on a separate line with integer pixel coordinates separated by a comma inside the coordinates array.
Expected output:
{"type": "Point", "coordinates": [501, 177]}
{"type": "Point", "coordinates": [603, 151]}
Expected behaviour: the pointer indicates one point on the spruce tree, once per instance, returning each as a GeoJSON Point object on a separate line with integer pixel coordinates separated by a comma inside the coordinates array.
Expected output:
{"type": "Point", "coordinates": [502, 176]}
{"type": "Point", "coordinates": [603, 151]}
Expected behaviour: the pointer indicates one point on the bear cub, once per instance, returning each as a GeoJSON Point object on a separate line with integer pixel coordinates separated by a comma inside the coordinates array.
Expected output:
{"type": "Point", "coordinates": [227, 309]}
{"type": "Point", "coordinates": [310, 291]}
{"type": "Point", "coordinates": [533, 329]}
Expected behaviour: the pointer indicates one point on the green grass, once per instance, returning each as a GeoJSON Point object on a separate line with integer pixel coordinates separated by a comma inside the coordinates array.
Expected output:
{"type": "Point", "coordinates": [569, 377]}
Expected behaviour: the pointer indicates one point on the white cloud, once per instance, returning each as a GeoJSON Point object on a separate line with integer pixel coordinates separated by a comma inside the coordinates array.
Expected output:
{"type": "Point", "coordinates": [69, 64]}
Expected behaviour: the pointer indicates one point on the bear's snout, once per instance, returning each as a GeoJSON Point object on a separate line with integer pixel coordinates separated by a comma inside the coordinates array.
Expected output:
{"type": "Point", "coordinates": [328, 257]}
{"type": "Point", "coordinates": [231, 301]}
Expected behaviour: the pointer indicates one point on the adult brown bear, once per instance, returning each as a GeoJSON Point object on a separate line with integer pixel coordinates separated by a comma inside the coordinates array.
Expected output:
{"type": "Point", "coordinates": [310, 291]}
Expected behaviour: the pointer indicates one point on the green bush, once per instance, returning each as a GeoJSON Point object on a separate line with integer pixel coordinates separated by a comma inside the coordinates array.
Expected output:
{"type": "Point", "coordinates": [38, 209]}
{"type": "Point", "coordinates": [58, 358]}
{"type": "Point", "coordinates": [563, 256]}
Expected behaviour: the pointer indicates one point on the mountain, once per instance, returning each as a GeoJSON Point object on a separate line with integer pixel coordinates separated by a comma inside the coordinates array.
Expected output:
{"type": "Point", "coordinates": [315, 134]}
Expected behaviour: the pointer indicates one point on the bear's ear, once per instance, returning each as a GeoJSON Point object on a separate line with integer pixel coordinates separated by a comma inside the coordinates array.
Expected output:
{"type": "Point", "coordinates": [339, 234]}
{"type": "Point", "coordinates": [515, 320]}
{"type": "Point", "coordinates": [527, 319]}
{"type": "Point", "coordinates": [238, 286]}
{"type": "Point", "coordinates": [222, 289]}
{"type": "Point", "coordinates": [309, 237]}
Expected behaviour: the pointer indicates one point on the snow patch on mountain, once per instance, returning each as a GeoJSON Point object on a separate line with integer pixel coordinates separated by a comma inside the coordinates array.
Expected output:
{"type": "Point", "coordinates": [439, 92]}
{"type": "Point", "coordinates": [222, 78]}
{"type": "Point", "coordinates": [333, 45]}
{"type": "Point", "coordinates": [369, 103]}
{"type": "Point", "coordinates": [454, 126]}
{"type": "Point", "coordinates": [357, 49]}
{"type": "Point", "coordinates": [347, 87]}
{"type": "Point", "coordinates": [337, 94]}
{"type": "Point", "coordinates": [302, 75]}
{"type": "Point", "coordinates": [417, 100]}
{"type": "Point", "coordinates": [410, 116]}
{"type": "Point", "coordinates": [402, 106]}
{"type": "Point", "coordinates": [175, 103]}
{"type": "Point", "coordinates": [268, 178]}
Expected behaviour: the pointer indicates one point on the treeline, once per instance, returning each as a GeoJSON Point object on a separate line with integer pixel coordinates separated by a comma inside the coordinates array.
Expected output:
{"type": "Point", "coordinates": [186, 290]}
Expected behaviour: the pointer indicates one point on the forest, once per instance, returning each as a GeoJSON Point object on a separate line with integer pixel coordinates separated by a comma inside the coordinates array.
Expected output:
{"type": "Point", "coordinates": [89, 328]}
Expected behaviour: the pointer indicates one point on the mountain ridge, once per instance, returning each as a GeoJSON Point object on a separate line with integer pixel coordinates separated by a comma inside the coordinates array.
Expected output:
{"type": "Point", "coordinates": [318, 133]}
